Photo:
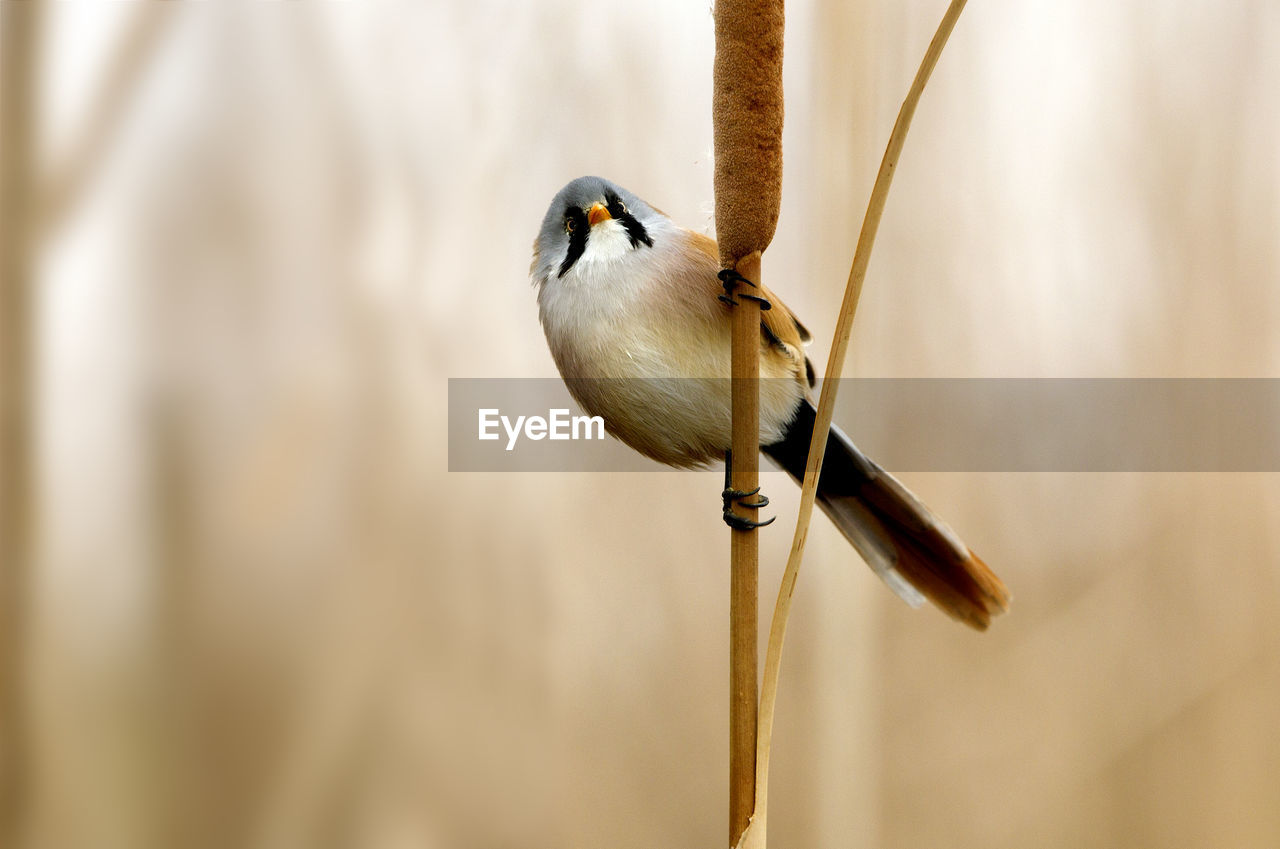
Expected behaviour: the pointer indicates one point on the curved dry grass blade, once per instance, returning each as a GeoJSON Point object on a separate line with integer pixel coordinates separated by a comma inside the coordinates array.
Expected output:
{"type": "Point", "coordinates": [754, 837]}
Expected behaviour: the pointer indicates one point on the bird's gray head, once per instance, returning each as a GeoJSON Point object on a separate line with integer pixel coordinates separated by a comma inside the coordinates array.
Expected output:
{"type": "Point", "coordinates": [591, 219]}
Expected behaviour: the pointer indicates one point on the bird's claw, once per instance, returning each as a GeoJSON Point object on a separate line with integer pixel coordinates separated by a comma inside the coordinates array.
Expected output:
{"type": "Point", "coordinates": [733, 496]}
{"type": "Point", "coordinates": [738, 523]}
{"type": "Point", "coordinates": [730, 279]}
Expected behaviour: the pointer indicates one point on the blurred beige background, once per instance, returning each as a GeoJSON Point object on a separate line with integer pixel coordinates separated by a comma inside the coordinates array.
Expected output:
{"type": "Point", "coordinates": [253, 608]}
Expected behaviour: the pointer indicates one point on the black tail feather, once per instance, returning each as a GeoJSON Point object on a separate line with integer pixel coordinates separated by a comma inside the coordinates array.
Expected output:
{"type": "Point", "coordinates": [913, 550]}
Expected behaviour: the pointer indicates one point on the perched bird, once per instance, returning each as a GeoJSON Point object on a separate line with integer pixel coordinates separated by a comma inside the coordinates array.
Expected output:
{"type": "Point", "coordinates": [634, 314]}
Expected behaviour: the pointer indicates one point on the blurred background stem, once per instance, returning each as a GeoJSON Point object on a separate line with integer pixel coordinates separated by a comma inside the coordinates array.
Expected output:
{"type": "Point", "coordinates": [19, 32]}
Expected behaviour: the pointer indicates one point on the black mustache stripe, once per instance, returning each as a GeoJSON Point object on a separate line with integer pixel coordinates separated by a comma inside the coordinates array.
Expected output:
{"type": "Point", "coordinates": [635, 230]}
{"type": "Point", "coordinates": [577, 237]}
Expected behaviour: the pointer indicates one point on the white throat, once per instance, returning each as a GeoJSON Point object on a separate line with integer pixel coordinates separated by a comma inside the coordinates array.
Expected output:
{"type": "Point", "coordinates": [607, 243]}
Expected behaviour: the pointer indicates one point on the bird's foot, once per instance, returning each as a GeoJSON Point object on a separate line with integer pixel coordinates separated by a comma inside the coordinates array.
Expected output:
{"type": "Point", "coordinates": [730, 279]}
{"type": "Point", "coordinates": [733, 496]}
{"type": "Point", "coordinates": [737, 496]}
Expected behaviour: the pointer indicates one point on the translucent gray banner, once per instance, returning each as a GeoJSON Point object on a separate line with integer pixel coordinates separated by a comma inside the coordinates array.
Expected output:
{"type": "Point", "coordinates": [923, 424]}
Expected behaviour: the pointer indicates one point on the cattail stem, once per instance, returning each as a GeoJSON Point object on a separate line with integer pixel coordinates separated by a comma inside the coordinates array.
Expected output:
{"type": "Point", "coordinates": [744, 558]}
{"type": "Point", "coordinates": [747, 119]}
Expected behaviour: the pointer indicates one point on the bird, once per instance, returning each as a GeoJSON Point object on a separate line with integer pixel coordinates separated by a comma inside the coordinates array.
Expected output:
{"type": "Point", "coordinates": [637, 315]}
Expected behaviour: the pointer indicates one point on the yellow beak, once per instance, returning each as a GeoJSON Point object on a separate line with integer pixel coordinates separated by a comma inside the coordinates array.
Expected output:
{"type": "Point", "coordinates": [597, 213]}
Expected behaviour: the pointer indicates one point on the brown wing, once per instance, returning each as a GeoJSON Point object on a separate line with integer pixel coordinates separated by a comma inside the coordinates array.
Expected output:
{"type": "Point", "coordinates": [779, 327]}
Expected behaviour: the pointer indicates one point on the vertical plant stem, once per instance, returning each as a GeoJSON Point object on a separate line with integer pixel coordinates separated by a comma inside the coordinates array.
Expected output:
{"type": "Point", "coordinates": [19, 31]}
{"type": "Point", "coordinates": [744, 559]}
{"type": "Point", "coordinates": [746, 113]}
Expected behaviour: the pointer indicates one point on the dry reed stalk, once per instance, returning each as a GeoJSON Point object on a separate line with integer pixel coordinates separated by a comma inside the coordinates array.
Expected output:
{"type": "Point", "coordinates": [747, 117]}
{"type": "Point", "coordinates": [755, 836]}
{"type": "Point", "coordinates": [19, 39]}
{"type": "Point", "coordinates": [744, 556]}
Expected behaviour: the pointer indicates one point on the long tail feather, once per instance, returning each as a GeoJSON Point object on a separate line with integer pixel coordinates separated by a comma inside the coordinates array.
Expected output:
{"type": "Point", "coordinates": [913, 550]}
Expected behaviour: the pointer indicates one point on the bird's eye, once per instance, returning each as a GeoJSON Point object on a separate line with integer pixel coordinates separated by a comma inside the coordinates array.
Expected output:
{"type": "Point", "coordinates": [623, 207]}
{"type": "Point", "coordinates": [570, 225]}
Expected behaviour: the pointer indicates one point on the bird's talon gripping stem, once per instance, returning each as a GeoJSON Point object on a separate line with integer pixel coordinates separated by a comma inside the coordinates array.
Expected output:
{"type": "Point", "coordinates": [738, 523]}
{"type": "Point", "coordinates": [733, 496]}
{"type": "Point", "coordinates": [730, 279]}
